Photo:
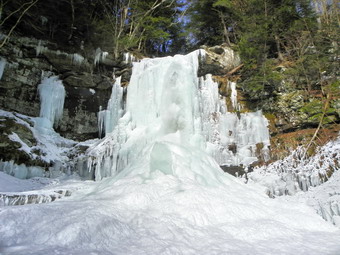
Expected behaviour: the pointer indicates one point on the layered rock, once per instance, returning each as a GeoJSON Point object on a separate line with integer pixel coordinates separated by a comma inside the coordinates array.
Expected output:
{"type": "Point", "coordinates": [88, 83]}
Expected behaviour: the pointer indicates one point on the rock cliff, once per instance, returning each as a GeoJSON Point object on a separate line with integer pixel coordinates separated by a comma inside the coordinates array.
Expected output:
{"type": "Point", "coordinates": [87, 82]}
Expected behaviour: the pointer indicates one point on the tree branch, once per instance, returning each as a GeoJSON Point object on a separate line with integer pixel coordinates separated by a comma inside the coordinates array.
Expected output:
{"type": "Point", "coordinates": [18, 21]}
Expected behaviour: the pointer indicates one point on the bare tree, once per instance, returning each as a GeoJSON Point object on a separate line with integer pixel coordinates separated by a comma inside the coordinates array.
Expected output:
{"type": "Point", "coordinates": [22, 10]}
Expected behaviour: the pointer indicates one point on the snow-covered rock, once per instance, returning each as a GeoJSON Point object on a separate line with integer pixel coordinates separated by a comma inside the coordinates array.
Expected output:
{"type": "Point", "coordinates": [297, 172]}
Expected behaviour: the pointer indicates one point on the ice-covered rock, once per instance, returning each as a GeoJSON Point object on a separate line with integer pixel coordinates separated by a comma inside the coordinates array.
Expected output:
{"type": "Point", "coordinates": [25, 198]}
{"type": "Point", "coordinates": [299, 173]}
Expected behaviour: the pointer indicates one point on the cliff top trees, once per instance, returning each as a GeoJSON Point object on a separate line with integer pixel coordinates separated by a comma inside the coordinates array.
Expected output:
{"type": "Point", "coordinates": [114, 25]}
{"type": "Point", "coordinates": [269, 32]}
{"type": "Point", "coordinates": [260, 29]}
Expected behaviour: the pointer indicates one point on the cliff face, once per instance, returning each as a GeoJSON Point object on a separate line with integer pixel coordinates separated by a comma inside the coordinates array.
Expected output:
{"type": "Point", "coordinates": [87, 81]}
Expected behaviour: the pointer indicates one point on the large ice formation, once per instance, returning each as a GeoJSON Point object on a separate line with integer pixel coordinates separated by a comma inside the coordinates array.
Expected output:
{"type": "Point", "coordinates": [52, 96]}
{"type": "Point", "coordinates": [167, 103]}
{"type": "Point", "coordinates": [108, 119]}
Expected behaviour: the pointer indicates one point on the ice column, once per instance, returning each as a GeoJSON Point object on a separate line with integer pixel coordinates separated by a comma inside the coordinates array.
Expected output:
{"type": "Point", "coordinates": [77, 59]}
{"type": "Point", "coordinates": [233, 96]}
{"type": "Point", "coordinates": [2, 66]}
{"type": "Point", "coordinates": [52, 96]}
{"type": "Point", "coordinates": [108, 119]}
{"type": "Point", "coordinates": [40, 49]}
{"type": "Point", "coordinates": [100, 56]}
{"type": "Point", "coordinates": [129, 58]}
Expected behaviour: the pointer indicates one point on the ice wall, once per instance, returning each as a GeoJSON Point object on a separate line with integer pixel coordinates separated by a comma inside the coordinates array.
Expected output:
{"type": "Point", "coordinates": [167, 102]}
{"type": "Point", "coordinates": [52, 96]}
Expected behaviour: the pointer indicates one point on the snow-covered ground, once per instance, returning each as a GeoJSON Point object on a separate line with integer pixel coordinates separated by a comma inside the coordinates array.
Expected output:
{"type": "Point", "coordinates": [325, 199]}
{"type": "Point", "coordinates": [311, 180]}
{"type": "Point", "coordinates": [152, 212]}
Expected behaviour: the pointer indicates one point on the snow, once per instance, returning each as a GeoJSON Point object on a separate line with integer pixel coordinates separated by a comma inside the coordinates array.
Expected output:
{"type": "Point", "coordinates": [2, 66]}
{"type": "Point", "coordinates": [11, 184]}
{"type": "Point", "coordinates": [307, 179]}
{"type": "Point", "coordinates": [15, 138]}
{"type": "Point", "coordinates": [165, 214]}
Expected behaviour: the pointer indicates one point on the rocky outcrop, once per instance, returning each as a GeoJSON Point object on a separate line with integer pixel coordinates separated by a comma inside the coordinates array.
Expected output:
{"type": "Point", "coordinates": [218, 60]}
{"type": "Point", "coordinates": [14, 137]}
{"type": "Point", "coordinates": [87, 80]}
{"type": "Point", "coordinates": [27, 151]}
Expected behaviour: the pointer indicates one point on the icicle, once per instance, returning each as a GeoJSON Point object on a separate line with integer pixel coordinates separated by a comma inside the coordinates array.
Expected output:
{"type": "Point", "coordinates": [52, 96]}
{"type": "Point", "coordinates": [108, 119]}
{"type": "Point", "coordinates": [101, 121]}
{"type": "Point", "coordinates": [129, 58]}
{"type": "Point", "coordinates": [104, 55]}
{"type": "Point", "coordinates": [97, 56]}
{"type": "Point", "coordinates": [2, 66]}
{"type": "Point", "coordinates": [40, 49]}
{"type": "Point", "coordinates": [77, 59]}
{"type": "Point", "coordinates": [233, 96]}
{"type": "Point", "coordinates": [100, 56]}
{"type": "Point", "coordinates": [21, 171]}
{"type": "Point", "coordinates": [43, 20]}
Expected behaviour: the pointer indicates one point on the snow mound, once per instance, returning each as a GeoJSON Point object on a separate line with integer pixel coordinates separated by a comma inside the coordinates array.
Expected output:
{"type": "Point", "coordinates": [166, 214]}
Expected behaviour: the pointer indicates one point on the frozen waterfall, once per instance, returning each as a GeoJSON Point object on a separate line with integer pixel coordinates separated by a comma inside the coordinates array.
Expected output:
{"type": "Point", "coordinates": [52, 96]}
{"type": "Point", "coordinates": [169, 113]}
{"type": "Point", "coordinates": [108, 119]}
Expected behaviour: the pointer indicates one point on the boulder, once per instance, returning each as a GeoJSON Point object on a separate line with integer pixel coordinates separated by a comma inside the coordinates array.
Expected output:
{"type": "Point", "coordinates": [219, 60]}
{"type": "Point", "coordinates": [16, 143]}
